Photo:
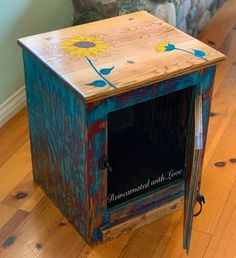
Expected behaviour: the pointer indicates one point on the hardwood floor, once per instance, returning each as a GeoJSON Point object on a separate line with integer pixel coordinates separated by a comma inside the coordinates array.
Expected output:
{"type": "Point", "coordinates": [31, 226]}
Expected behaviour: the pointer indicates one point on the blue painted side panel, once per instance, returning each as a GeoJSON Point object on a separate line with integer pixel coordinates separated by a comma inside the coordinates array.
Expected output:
{"type": "Point", "coordinates": [207, 78]}
{"type": "Point", "coordinates": [57, 133]}
{"type": "Point", "coordinates": [97, 178]}
{"type": "Point", "coordinates": [206, 84]}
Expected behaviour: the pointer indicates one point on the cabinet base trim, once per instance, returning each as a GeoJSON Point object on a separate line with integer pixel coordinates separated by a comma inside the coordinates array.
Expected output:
{"type": "Point", "coordinates": [108, 233]}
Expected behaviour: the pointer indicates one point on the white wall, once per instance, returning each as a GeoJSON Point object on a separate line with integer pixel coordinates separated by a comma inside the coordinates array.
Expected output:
{"type": "Point", "coordinates": [20, 18]}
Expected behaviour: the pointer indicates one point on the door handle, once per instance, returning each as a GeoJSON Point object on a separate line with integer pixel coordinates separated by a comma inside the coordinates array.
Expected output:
{"type": "Point", "coordinates": [201, 200]}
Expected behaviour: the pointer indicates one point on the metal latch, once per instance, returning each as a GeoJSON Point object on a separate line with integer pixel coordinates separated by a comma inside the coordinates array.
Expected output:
{"type": "Point", "coordinates": [104, 163]}
{"type": "Point", "coordinates": [201, 200]}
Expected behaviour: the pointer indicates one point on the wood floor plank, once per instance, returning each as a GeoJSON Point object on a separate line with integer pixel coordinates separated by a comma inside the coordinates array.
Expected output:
{"type": "Point", "coordinates": [223, 240]}
{"type": "Point", "coordinates": [6, 212]}
{"type": "Point", "coordinates": [222, 122]}
{"type": "Point", "coordinates": [9, 228]}
{"type": "Point", "coordinates": [33, 227]}
{"type": "Point", "coordinates": [199, 244]}
{"type": "Point", "coordinates": [21, 193]}
{"type": "Point", "coordinates": [13, 135]}
{"type": "Point", "coordinates": [217, 181]}
{"type": "Point", "coordinates": [223, 107]}
{"type": "Point", "coordinates": [64, 242]}
{"type": "Point", "coordinates": [147, 243]}
{"type": "Point", "coordinates": [35, 230]}
{"type": "Point", "coordinates": [14, 170]}
{"type": "Point", "coordinates": [111, 249]}
{"type": "Point", "coordinates": [36, 197]}
{"type": "Point", "coordinates": [26, 195]}
{"type": "Point", "coordinates": [228, 48]}
{"type": "Point", "coordinates": [224, 21]}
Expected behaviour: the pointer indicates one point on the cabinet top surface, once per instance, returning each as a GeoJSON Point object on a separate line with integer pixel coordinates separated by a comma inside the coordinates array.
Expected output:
{"type": "Point", "coordinates": [111, 56]}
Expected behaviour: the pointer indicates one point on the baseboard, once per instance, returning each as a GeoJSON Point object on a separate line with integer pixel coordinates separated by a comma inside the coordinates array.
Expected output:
{"type": "Point", "coordinates": [12, 105]}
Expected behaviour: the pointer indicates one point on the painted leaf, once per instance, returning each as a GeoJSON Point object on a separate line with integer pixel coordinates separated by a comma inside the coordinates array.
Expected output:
{"type": "Point", "coordinates": [199, 53]}
{"type": "Point", "coordinates": [106, 71]}
{"type": "Point", "coordinates": [98, 83]}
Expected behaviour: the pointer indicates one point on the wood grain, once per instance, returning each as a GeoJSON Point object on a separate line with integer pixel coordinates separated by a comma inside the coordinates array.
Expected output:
{"type": "Point", "coordinates": [213, 234]}
{"type": "Point", "coordinates": [11, 225]}
{"type": "Point", "coordinates": [19, 164]}
{"type": "Point", "coordinates": [13, 135]}
{"type": "Point", "coordinates": [222, 243]}
{"type": "Point", "coordinates": [200, 241]}
{"type": "Point", "coordinates": [6, 213]}
{"type": "Point", "coordinates": [224, 21]}
{"type": "Point", "coordinates": [138, 221]}
{"type": "Point", "coordinates": [133, 37]}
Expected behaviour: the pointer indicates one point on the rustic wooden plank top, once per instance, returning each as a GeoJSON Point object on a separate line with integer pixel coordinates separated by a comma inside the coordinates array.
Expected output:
{"type": "Point", "coordinates": [107, 57]}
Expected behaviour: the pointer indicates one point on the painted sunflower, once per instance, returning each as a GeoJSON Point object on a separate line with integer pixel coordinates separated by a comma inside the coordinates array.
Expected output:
{"type": "Point", "coordinates": [84, 46]}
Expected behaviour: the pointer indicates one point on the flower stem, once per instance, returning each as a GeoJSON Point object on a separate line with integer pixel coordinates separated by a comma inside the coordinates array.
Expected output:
{"type": "Point", "coordinates": [95, 69]}
{"type": "Point", "coordinates": [184, 50]}
{"type": "Point", "coordinates": [189, 52]}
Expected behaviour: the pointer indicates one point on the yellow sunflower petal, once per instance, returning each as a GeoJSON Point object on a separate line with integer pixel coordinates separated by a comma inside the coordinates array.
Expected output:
{"type": "Point", "coordinates": [94, 50]}
{"type": "Point", "coordinates": [98, 46]}
{"type": "Point", "coordinates": [165, 43]}
{"type": "Point", "coordinates": [91, 54]}
{"type": "Point", "coordinates": [79, 38]}
{"type": "Point", "coordinates": [66, 43]}
{"type": "Point", "coordinates": [161, 49]}
{"type": "Point", "coordinates": [82, 51]}
{"type": "Point", "coordinates": [71, 48]}
{"type": "Point", "coordinates": [75, 53]}
{"type": "Point", "coordinates": [94, 39]}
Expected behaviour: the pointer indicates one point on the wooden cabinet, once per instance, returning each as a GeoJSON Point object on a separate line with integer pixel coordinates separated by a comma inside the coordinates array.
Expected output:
{"type": "Point", "coordinates": [118, 114]}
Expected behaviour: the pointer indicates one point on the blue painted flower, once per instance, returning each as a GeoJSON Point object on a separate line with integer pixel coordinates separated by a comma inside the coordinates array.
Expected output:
{"type": "Point", "coordinates": [165, 46]}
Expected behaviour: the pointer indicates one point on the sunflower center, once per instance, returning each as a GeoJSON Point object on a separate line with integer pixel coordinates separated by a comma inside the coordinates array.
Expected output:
{"type": "Point", "coordinates": [84, 44]}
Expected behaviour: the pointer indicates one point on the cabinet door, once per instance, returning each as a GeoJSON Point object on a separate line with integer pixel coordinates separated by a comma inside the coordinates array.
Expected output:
{"type": "Point", "coordinates": [193, 169]}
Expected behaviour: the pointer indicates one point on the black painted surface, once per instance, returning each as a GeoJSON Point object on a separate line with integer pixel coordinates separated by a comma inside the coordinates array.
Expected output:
{"type": "Point", "coordinates": [147, 142]}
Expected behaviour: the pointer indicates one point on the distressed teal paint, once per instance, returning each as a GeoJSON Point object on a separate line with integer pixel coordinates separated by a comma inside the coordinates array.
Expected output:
{"type": "Point", "coordinates": [57, 133]}
{"type": "Point", "coordinates": [68, 137]}
{"type": "Point", "coordinates": [206, 84]}
{"type": "Point", "coordinates": [143, 94]}
{"type": "Point", "coordinates": [106, 219]}
{"type": "Point", "coordinates": [96, 235]}
{"type": "Point", "coordinates": [207, 79]}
